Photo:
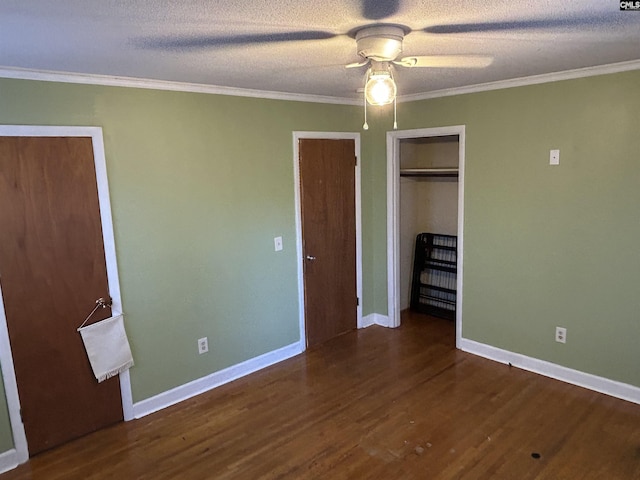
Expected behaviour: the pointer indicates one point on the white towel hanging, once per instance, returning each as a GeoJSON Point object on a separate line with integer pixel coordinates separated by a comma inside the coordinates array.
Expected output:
{"type": "Point", "coordinates": [107, 347]}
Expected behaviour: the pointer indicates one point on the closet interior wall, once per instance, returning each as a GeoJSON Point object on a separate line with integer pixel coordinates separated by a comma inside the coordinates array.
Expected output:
{"type": "Point", "coordinates": [427, 203]}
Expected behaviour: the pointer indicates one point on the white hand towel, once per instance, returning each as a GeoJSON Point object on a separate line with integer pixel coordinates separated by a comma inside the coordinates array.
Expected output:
{"type": "Point", "coordinates": [107, 347]}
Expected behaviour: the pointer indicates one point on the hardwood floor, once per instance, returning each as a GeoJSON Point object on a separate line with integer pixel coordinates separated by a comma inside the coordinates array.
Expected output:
{"type": "Point", "coordinates": [373, 404]}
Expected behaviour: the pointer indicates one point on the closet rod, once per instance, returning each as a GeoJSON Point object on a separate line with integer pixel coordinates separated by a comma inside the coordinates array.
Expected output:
{"type": "Point", "coordinates": [429, 172]}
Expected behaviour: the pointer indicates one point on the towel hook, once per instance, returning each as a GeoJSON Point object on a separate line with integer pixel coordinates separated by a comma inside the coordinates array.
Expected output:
{"type": "Point", "coordinates": [101, 302]}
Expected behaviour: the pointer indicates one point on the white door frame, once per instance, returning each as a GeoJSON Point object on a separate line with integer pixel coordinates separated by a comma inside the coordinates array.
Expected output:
{"type": "Point", "coordinates": [21, 452]}
{"type": "Point", "coordinates": [393, 218]}
{"type": "Point", "coordinates": [297, 136]}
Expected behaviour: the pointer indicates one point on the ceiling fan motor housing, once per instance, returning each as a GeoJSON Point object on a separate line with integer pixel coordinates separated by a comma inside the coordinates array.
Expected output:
{"type": "Point", "coordinates": [381, 43]}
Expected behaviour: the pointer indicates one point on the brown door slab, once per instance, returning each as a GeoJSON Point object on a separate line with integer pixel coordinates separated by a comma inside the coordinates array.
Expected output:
{"type": "Point", "coordinates": [52, 270]}
{"type": "Point", "coordinates": [327, 177]}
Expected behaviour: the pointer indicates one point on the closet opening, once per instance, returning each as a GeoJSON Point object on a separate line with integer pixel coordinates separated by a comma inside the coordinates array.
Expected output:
{"type": "Point", "coordinates": [428, 227]}
{"type": "Point", "coordinates": [426, 175]}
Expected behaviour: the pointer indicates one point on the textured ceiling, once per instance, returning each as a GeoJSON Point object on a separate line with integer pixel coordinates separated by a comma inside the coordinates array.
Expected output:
{"type": "Point", "coordinates": [302, 46]}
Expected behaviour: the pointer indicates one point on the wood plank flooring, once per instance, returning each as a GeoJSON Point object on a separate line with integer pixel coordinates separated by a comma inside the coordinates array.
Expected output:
{"type": "Point", "coordinates": [372, 404]}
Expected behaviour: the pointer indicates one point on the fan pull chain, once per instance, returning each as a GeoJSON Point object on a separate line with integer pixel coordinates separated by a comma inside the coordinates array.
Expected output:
{"type": "Point", "coordinates": [366, 125]}
{"type": "Point", "coordinates": [395, 113]}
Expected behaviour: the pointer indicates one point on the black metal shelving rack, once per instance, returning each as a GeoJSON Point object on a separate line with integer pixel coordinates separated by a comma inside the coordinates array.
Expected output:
{"type": "Point", "coordinates": [433, 289]}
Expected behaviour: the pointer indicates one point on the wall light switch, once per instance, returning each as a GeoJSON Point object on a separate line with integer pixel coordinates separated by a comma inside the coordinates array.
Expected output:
{"type": "Point", "coordinates": [277, 242]}
{"type": "Point", "coordinates": [554, 157]}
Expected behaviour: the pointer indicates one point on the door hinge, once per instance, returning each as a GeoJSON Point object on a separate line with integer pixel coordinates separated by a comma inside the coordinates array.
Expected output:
{"type": "Point", "coordinates": [357, 302]}
{"type": "Point", "coordinates": [355, 159]}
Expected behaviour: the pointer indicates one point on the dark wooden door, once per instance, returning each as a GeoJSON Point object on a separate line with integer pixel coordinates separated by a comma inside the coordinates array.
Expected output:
{"type": "Point", "coordinates": [327, 185]}
{"type": "Point", "coordinates": [52, 270]}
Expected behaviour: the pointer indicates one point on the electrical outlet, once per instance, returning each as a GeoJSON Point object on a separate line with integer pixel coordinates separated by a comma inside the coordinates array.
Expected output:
{"type": "Point", "coordinates": [203, 345]}
{"type": "Point", "coordinates": [561, 335]}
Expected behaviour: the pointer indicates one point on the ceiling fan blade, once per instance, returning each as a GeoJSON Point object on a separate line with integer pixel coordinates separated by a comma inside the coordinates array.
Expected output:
{"type": "Point", "coordinates": [357, 64]}
{"type": "Point", "coordinates": [523, 25]}
{"type": "Point", "coordinates": [446, 61]}
{"type": "Point", "coordinates": [197, 42]}
{"type": "Point", "coordinates": [379, 9]}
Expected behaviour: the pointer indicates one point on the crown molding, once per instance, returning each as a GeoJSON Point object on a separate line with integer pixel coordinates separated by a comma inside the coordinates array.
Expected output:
{"type": "Point", "coordinates": [132, 82]}
{"type": "Point", "coordinates": [524, 81]}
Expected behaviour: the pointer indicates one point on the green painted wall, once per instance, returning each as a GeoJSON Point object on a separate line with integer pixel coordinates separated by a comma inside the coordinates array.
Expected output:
{"type": "Point", "coordinates": [6, 436]}
{"type": "Point", "coordinates": [548, 246]}
{"type": "Point", "coordinates": [374, 208]}
{"type": "Point", "coordinates": [200, 184]}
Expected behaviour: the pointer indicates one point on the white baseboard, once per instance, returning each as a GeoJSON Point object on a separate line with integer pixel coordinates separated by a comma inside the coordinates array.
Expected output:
{"type": "Point", "coordinates": [204, 384]}
{"type": "Point", "coordinates": [575, 377]}
{"type": "Point", "coordinates": [8, 460]}
{"type": "Point", "coordinates": [368, 320]}
{"type": "Point", "coordinates": [375, 319]}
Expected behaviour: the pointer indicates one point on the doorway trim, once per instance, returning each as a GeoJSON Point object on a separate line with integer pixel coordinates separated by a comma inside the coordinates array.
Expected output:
{"type": "Point", "coordinates": [393, 217]}
{"type": "Point", "coordinates": [297, 136]}
{"type": "Point", "coordinates": [21, 452]}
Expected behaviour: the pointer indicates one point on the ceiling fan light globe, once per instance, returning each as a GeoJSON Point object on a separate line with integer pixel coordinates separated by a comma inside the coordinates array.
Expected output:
{"type": "Point", "coordinates": [380, 90]}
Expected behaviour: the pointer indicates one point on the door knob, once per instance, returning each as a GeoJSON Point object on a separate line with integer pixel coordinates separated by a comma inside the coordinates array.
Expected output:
{"type": "Point", "coordinates": [311, 258]}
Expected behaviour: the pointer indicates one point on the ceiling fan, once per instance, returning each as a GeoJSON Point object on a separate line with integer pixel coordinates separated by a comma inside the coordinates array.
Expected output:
{"type": "Point", "coordinates": [383, 43]}
{"type": "Point", "coordinates": [378, 40]}
{"type": "Point", "coordinates": [379, 44]}
{"type": "Point", "coordinates": [380, 47]}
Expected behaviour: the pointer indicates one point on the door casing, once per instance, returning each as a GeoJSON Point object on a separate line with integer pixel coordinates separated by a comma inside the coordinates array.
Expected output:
{"type": "Point", "coordinates": [21, 453]}
{"type": "Point", "coordinates": [298, 209]}
{"type": "Point", "coordinates": [393, 218]}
